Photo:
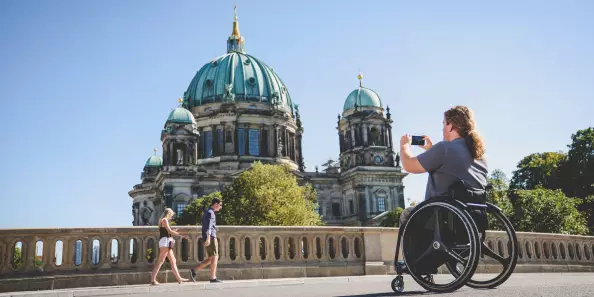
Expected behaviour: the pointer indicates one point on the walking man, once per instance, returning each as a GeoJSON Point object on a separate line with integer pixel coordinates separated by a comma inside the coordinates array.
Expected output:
{"type": "Point", "coordinates": [209, 235]}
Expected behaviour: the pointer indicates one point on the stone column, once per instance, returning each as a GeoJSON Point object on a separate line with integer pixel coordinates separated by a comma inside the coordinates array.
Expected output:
{"type": "Point", "coordinates": [194, 152]}
{"type": "Point", "coordinates": [270, 140]}
{"type": "Point", "coordinates": [286, 147]}
{"type": "Point", "coordinates": [390, 136]}
{"type": "Point", "coordinates": [352, 135]}
{"type": "Point", "coordinates": [246, 137]}
{"type": "Point", "coordinates": [365, 134]}
{"type": "Point", "coordinates": [262, 142]}
{"type": "Point", "coordinates": [236, 138]}
{"type": "Point", "coordinates": [300, 152]}
{"type": "Point", "coordinates": [367, 201]}
{"type": "Point", "coordinates": [276, 140]}
{"type": "Point", "coordinates": [291, 146]}
{"type": "Point", "coordinates": [213, 131]}
{"type": "Point", "coordinates": [224, 134]}
{"type": "Point", "coordinates": [171, 154]}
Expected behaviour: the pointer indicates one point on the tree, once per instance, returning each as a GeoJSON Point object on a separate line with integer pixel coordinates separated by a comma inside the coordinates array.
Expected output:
{"type": "Point", "coordinates": [579, 168]}
{"type": "Point", "coordinates": [392, 219]}
{"type": "Point", "coordinates": [545, 210]}
{"type": "Point", "coordinates": [539, 169]}
{"type": "Point", "coordinates": [578, 171]}
{"type": "Point", "coordinates": [268, 195]}
{"type": "Point", "coordinates": [264, 195]}
{"type": "Point", "coordinates": [192, 214]}
{"type": "Point", "coordinates": [498, 196]}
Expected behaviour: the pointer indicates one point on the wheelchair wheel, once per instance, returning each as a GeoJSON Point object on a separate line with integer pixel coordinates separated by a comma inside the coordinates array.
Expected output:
{"type": "Point", "coordinates": [398, 284]}
{"type": "Point", "coordinates": [508, 263]}
{"type": "Point", "coordinates": [433, 236]}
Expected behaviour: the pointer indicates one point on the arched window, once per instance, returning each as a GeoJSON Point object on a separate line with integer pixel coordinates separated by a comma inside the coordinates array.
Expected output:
{"type": "Point", "coordinates": [381, 198]}
{"type": "Point", "coordinates": [373, 137]}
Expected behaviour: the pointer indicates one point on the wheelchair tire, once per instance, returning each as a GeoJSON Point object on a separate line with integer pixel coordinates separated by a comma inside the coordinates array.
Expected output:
{"type": "Point", "coordinates": [398, 284]}
{"type": "Point", "coordinates": [473, 254]}
{"type": "Point", "coordinates": [512, 258]}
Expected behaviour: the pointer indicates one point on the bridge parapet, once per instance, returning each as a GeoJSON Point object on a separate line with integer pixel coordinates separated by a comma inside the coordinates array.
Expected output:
{"type": "Point", "coordinates": [246, 252]}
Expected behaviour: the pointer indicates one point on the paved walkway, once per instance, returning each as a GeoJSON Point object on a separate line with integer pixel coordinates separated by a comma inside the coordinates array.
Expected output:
{"type": "Point", "coordinates": [550, 284]}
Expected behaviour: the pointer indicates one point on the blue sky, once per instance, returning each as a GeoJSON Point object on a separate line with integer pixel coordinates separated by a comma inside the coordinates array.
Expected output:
{"type": "Point", "coordinates": [85, 86]}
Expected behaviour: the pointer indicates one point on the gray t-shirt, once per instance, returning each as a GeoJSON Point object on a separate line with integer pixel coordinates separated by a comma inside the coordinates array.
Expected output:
{"type": "Point", "coordinates": [449, 161]}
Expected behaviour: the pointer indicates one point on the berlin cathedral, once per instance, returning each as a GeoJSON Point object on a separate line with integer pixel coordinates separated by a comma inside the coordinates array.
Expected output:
{"type": "Point", "coordinates": [236, 111]}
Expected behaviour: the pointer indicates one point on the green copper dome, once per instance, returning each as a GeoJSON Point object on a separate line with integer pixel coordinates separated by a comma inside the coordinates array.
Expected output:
{"type": "Point", "coordinates": [154, 161]}
{"type": "Point", "coordinates": [237, 77]}
{"type": "Point", "coordinates": [363, 97]}
{"type": "Point", "coordinates": [181, 115]}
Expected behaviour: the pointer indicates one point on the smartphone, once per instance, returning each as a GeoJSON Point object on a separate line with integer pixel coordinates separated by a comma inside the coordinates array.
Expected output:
{"type": "Point", "coordinates": [418, 140]}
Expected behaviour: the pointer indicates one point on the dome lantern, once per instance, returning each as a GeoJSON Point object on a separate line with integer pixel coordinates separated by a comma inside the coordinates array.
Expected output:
{"type": "Point", "coordinates": [235, 43]}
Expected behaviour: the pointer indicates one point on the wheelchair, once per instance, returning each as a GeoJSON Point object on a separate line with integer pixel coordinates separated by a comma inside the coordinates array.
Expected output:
{"type": "Point", "coordinates": [450, 231]}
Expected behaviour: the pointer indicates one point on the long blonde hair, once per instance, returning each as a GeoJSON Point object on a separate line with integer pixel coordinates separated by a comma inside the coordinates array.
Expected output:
{"type": "Point", "coordinates": [166, 212]}
{"type": "Point", "coordinates": [462, 120]}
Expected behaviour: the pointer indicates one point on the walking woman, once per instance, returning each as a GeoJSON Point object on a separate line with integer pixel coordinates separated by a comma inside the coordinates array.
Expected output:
{"type": "Point", "coordinates": [165, 247]}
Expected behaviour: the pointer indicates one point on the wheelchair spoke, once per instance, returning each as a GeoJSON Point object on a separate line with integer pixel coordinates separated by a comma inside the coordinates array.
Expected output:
{"type": "Point", "coordinates": [455, 256]}
{"type": "Point", "coordinates": [462, 249]}
{"type": "Point", "coordinates": [487, 251]}
{"type": "Point", "coordinates": [424, 255]}
{"type": "Point", "coordinates": [436, 231]}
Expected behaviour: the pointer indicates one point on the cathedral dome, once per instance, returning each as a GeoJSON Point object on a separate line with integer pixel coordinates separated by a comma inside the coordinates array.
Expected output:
{"type": "Point", "coordinates": [154, 161]}
{"type": "Point", "coordinates": [181, 115]}
{"type": "Point", "coordinates": [237, 77]}
{"type": "Point", "coordinates": [362, 97]}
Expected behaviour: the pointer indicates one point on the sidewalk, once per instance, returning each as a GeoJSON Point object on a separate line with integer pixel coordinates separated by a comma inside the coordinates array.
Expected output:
{"type": "Point", "coordinates": [198, 286]}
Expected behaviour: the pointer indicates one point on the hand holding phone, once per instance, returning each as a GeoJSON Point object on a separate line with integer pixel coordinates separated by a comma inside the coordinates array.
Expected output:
{"type": "Point", "coordinates": [418, 140]}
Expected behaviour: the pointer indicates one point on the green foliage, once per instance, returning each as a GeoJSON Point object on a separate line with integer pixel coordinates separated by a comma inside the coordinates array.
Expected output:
{"type": "Point", "coordinates": [265, 195]}
{"type": "Point", "coordinates": [545, 210]}
{"type": "Point", "coordinates": [579, 168]}
{"type": "Point", "coordinates": [538, 170]}
{"type": "Point", "coordinates": [17, 258]}
{"type": "Point", "coordinates": [268, 195]}
{"type": "Point", "coordinates": [192, 214]}
{"type": "Point", "coordinates": [573, 173]}
{"type": "Point", "coordinates": [498, 196]}
{"type": "Point", "coordinates": [392, 219]}
{"type": "Point", "coordinates": [149, 254]}
{"type": "Point", "coordinates": [578, 171]}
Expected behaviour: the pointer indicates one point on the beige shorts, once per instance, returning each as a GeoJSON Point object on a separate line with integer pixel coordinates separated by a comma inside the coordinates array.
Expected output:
{"type": "Point", "coordinates": [213, 248]}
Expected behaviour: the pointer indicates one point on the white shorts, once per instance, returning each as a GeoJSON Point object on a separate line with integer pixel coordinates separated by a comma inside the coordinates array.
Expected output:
{"type": "Point", "coordinates": [164, 241]}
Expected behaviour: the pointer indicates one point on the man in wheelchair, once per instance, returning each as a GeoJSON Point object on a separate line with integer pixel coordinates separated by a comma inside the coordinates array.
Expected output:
{"type": "Point", "coordinates": [457, 167]}
{"type": "Point", "coordinates": [460, 157]}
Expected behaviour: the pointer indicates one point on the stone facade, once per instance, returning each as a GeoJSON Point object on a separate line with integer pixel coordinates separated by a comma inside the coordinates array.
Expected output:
{"type": "Point", "coordinates": [226, 123]}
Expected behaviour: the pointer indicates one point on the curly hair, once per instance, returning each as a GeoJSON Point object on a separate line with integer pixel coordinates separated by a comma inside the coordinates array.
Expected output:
{"type": "Point", "coordinates": [461, 118]}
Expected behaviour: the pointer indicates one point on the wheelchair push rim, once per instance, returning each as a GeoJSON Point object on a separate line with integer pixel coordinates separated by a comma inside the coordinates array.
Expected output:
{"type": "Point", "coordinates": [439, 248]}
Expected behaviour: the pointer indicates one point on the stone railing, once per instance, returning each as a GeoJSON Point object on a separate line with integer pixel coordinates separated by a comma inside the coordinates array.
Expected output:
{"type": "Point", "coordinates": [59, 258]}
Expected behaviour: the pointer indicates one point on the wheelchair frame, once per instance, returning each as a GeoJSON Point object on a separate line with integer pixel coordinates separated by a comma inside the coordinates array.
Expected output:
{"type": "Point", "coordinates": [461, 209]}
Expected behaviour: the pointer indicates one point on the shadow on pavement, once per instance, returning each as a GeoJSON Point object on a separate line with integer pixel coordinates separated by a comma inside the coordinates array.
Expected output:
{"type": "Point", "coordinates": [409, 293]}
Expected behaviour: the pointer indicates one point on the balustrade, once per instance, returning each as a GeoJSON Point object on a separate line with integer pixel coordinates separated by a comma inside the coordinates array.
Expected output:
{"type": "Point", "coordinates": [54, 251]}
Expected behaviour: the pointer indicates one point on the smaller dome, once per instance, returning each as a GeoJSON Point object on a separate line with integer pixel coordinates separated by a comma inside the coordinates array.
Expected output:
{"type": "Point", "coordinates": [363, 97]}
{"type": "Point", "coordinates": [181, 115]}
{"type": "Point", "coordinates": [154, 161]}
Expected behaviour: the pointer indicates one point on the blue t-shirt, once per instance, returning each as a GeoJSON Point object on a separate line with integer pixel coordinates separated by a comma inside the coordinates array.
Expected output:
{"type": "Point", "coordinates": [450, 161]}
{"type": "Point", "coordinates": [209, 224]}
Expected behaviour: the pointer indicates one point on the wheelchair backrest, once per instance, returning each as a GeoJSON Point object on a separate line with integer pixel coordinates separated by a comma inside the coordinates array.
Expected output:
{"type": "Point", "coordinates": [465, 193]}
